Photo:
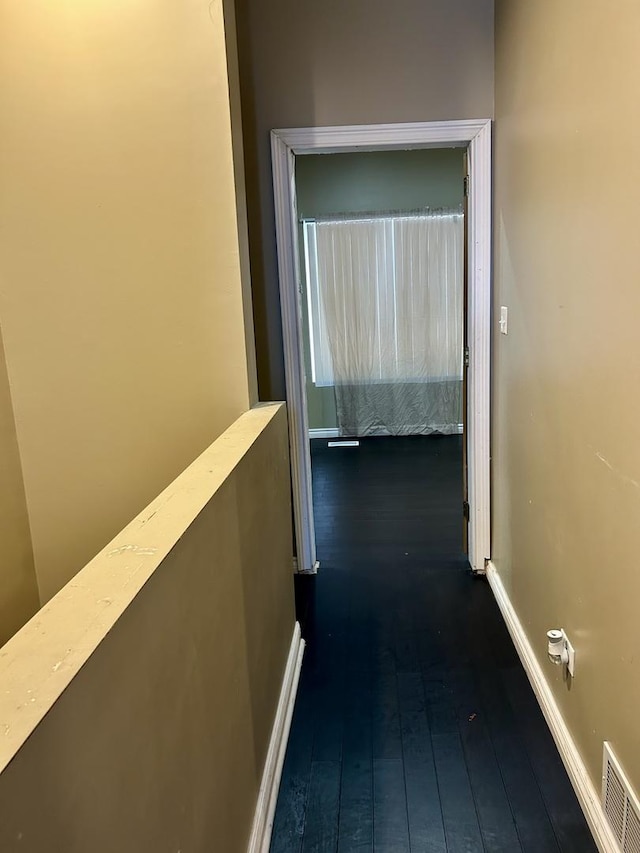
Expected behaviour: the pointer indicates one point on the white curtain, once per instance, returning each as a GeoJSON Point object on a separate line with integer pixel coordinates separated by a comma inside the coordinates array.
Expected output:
{"type": "Point", "coordinates": [385, 299]}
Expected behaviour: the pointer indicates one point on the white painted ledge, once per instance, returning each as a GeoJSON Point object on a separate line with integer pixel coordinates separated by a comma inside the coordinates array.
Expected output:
{"type": "Point", "coordinates": [42, 659]}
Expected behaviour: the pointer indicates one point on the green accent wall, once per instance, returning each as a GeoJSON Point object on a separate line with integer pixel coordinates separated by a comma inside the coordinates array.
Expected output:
{"type": "Point", "coordinates": [368, 182]}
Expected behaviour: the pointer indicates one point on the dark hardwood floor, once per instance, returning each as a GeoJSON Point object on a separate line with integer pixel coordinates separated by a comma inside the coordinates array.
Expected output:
{"type": "Point", "coordinates": [415, 728]}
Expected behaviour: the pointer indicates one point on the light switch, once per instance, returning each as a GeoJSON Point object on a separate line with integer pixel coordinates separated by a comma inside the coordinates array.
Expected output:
{"type": "Point", "coordinates": [504, 319]}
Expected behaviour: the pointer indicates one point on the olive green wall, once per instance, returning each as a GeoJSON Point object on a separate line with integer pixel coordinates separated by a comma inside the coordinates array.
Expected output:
{"type": "Point", "coordinates": [306, 64]}
{"type": "Point", "coordinates": [369, 182]}
{"type": "Point", "coordinates": [124, 305]}
{"type": "Point", "coordinates": [375, 181]}
{"type": "Point", "coordinates": [566, 454]}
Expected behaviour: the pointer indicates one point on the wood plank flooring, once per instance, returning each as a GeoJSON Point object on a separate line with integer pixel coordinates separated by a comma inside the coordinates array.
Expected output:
{"type": "Point", "coordinates": [415, 729]}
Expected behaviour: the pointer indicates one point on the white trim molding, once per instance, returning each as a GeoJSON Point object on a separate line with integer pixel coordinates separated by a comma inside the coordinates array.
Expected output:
{"type": "Point", "coordinates": [586, 792]}
{"type": "Point", "coordinates": [289, 275]}
{"type": "Point", "coordinates": [475, 135]}
{"type": "Point", "coordinates": [381, 137]}
{"type": "Point", "coordinates": [479, 342]}
{"type": "Point", "coordinates": [268, 794]}
{"type": "Point", "coordinates": [328, 432]}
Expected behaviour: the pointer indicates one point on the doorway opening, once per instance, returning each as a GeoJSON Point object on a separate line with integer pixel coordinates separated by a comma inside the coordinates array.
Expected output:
{"type": "Point", "coordinates": [381, 239]}
{"type": "Point", "coordinates": [293, 235]}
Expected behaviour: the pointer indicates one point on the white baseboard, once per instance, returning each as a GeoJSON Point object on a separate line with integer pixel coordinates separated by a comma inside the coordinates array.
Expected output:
{"type": "Point", "coordinates": [333, 432]}
{"type": "Point", "coordinates": [586, 792]}
{"type": "Point", "coordinates": [268, 794]}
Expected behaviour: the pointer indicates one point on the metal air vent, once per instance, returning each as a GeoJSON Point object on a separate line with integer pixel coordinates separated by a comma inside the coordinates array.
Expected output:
{"type": "Point", "coordinates": [620, 803]}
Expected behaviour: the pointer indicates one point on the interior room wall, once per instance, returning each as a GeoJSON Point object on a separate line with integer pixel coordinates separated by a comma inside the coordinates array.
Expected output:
{"type": "Point", "coordinates": [137, 709]}
{"type": "Point", "coordinates": [121, 303]}
{"type": "Point", "coordinates": [19, 589]}
{"type": "Point", "coordinates": [369, 182]}
{"type": "Point", "coordinates": [566, 456]}
{"type": "Point", "coordinates": [363, 62]}
{"type": "Point", "coordinates": [237, 146]}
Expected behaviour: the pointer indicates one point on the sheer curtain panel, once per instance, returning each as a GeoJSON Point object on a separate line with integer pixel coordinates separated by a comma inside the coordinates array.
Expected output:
{"type": "Point", "coordinates": [385, 298]}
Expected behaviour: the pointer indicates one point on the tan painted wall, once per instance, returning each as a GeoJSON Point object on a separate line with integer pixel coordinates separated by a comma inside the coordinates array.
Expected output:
{"type": "Point", "coordinates": [305, 63]}
{"type": "Point", "coordinates": [566, 449]}
{"type": "Point", "coordinates": [120, 299]}
{"type": "Point", "coordinates": [140, 722]}
{"type": "Point", "coordinates": [18, 587]}
{"type": "Point", "coordinates": [237, 144]}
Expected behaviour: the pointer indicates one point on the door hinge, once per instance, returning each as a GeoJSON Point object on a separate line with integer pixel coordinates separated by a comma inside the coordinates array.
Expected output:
{"type": "Point", "coordinates": [465, 509]}
{"type": "Point", "coordinates": [466, 185]}
{"type": "Point", "coordinates": [466, 356]}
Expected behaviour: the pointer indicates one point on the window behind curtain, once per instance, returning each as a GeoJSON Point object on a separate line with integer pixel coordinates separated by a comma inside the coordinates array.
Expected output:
{"type": "Point", "coordinates": [385, 298]}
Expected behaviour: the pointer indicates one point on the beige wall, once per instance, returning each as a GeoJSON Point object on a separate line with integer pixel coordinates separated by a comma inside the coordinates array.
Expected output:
{"type": "Point", "coordinates": [369, 182]}
{"type": "Point", "coordinates": [121, 300]}
{"type": "Point", "coordinates": [141, 721]}
{"type": "Point", "coordinates": [237, 144]}
{"type": "Point", "coordinates": [18, 587]}
{"type": "Point", "coordinates": [566, 449]}
{"type": "Point", "coordinates": [305, 63]}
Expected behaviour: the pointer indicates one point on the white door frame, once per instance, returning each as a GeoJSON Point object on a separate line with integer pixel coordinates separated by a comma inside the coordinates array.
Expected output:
{"type": "Point", "coordinates": [285, 146]}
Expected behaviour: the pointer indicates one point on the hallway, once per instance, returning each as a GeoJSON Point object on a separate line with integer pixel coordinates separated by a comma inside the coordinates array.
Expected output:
{"type": "Point", "coordinates": [415, 728]}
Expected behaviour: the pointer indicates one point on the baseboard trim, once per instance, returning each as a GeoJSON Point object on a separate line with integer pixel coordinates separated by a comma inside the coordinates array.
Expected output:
{"type": "Point", "coordinates": [268, 794]}
{"type": "Point", "coordinates": [330, 432]}
{"type": "Point", "coordinates": [334, 432]}
{"type": "Point", "coordinates": [586, 792]}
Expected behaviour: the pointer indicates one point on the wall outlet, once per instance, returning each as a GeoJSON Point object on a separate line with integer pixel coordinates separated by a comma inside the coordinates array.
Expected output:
{"type": "Point", "coordinates": [571, 652]}
{"type": "Point", "coordinates": [504, 320]}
